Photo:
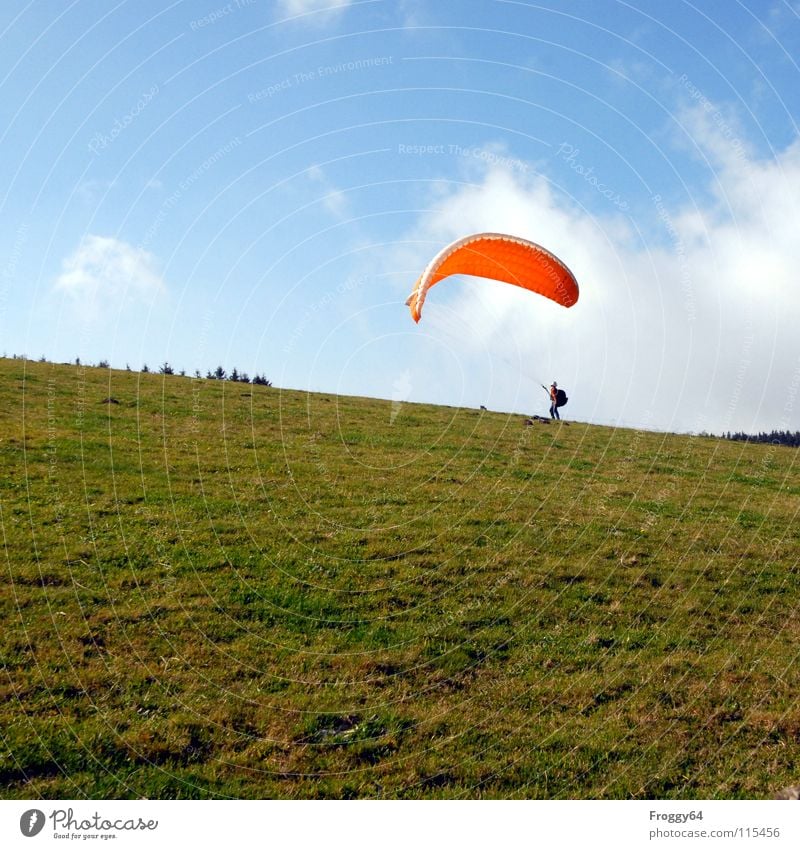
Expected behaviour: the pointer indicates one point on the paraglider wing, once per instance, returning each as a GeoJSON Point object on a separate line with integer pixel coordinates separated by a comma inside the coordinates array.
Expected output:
{"type": "Point", "coordinates": [499, 257]}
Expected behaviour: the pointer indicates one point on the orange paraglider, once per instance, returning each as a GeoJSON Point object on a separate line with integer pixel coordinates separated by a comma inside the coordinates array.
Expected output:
{"type": "Point", "coordinates": [499, 257]}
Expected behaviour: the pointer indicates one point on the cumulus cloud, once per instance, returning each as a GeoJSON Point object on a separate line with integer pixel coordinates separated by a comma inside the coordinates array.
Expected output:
{"type": "Point", "coordinates": [688, 324]}
{"type": "Point", "coordinates": [107, 272]}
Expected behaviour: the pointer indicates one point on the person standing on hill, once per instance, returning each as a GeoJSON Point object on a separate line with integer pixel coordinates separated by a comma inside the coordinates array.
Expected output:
{"type": "Point", "coordinates": [553, 400]}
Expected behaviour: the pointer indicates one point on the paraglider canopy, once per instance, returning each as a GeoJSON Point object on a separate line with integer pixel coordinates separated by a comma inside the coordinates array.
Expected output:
{"type": "Point", "coordinates": [499, 257]}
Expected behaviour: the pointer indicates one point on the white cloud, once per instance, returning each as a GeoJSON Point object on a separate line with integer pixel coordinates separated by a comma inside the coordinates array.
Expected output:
{"type": "Point", "coordinates": [694, 330]}
{"type": "Point", "coordinates": [335, 200]}
{"type": "Point", "coordinates": [106, 272]}
{"type": "Point", "coordinates": [415, 13]}
{"type": "Point", "coordinates": [92, 192]}
{"type": "Point", "coordinates": [312, 7]}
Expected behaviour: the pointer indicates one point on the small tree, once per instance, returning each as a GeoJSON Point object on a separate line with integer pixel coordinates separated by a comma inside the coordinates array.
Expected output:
{"type": "Point", "coordinates": [103, 364]}
{"type": "Point", "coordinates": [166, 369]}
{"type": "Point", "coordinates": [234, 375]}
{"type": "Point", "coordinates": [145, 369]}
{"type": "Point", "coordinates": [220, 373]}
{"type": "Point", "coordinates": [197, 373]}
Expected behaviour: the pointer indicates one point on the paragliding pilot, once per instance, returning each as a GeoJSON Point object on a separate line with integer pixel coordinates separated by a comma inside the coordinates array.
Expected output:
{"type": "Point", "coordinates": [558, 398]}
{"type": "Point", "coordinates": [554, 401]}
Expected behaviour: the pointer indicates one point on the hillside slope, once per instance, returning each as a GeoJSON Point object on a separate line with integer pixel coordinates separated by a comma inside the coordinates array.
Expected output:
{"type": "Point", "coordinates": [218, 589]}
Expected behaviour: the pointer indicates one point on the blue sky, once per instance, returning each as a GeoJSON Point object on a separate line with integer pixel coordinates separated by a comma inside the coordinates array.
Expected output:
{"type": "Point", "coordinates": [259, 185]}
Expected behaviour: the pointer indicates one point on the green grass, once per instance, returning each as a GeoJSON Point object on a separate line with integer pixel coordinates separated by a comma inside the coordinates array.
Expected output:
{"type": "Point", "coordinates": [222, 590]}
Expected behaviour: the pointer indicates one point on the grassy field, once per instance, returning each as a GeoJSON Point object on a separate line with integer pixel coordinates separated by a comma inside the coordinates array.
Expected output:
{"type": "Point", "coordinates": [214, 589]}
